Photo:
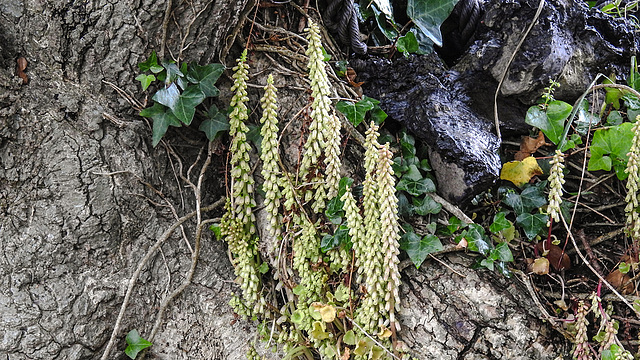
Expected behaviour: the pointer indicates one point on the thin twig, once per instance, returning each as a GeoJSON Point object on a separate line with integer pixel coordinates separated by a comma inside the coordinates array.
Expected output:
{"type": "Point", "coordinates": [165, 25]}
{"type": "Point", "coordinates": [141, 265]}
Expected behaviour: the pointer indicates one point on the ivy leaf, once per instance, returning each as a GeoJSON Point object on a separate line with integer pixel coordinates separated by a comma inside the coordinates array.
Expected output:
{"type": "Point", "coordinates": [173, 72]}
{"type": "Point", "coordinates": [537, 118]}
{"type": "Point", "coordinates": [502, 252]}
{"type": "Point", "coordinates": [408, 145]}
{"type": "Point", "coordinates": [389, 31]}
{"type": "Point", "coordinates": [585, 119]}
{"type": "Point", "coordinates": [185, 107]}
{"type": "Point", "coordinates": [161, 123]}
{"type": "Point", "coordinates": [614, 118]}
{"type": "Point", "coordinates": [428, 15]}
{"type": "Point", "coordinates": [476, 239]}
{"type": "Point", "coordinates": [135, 344]}
{"type": "Point", "coordinates": [609, 147]}
{"type": "Point", "coordinates": [149, 63]}
{"type": "Point", "coordinates": [215, 124]}
{"type": "Point", "coordinates": [405, 209]}
{"type": "Point", "coordinates": [407, 44]}
{"type": "Point", "coordinates": [500, 223]}
{"type": "Point", "coordinates": [206, 77]}
{"type": "Point", "coordinates": [532, 224]}
{"type": "Point", "coordinates": [354, 112]}
{"type": "Point", "coordinates": [385, 7]}
{"type": "Point", "coordinates": [416, 187]}
{"type": "Point", "coordinates": [425, 206]}
{"type": "Point", "coordinates": [533, 196]}
{"type": "Point", "coordinates": [145, 80]}
{"type": "Point", "coordinates": [162, 119]}
{"type": "Point", "coordinates": [167, 96]}
{"type": "Point", "coordinates": [418, 248]}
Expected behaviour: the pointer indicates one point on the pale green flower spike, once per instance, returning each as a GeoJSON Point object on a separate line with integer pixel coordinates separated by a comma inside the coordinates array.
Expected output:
{"type": "Point", "coordinates": [390, 232]}
{"type": "Point", "coordinates": [270, 158]}
{"type": "Point", "coordinates": [356, 226]}
{"type": "Point", "coordinates": [556, 180]}
{"type": "Point", "coordinates": [237, 225]}
{"type": "Point", "coordinates": [241, 180]}
{"type": "Point", "coordinates": [633, 220]}
{"type": "Point", "coordinates": [324, 131]}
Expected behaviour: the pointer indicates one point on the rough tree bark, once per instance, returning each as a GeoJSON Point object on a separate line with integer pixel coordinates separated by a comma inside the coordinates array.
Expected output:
{"type": "Point", "coordinates": [83, 195]}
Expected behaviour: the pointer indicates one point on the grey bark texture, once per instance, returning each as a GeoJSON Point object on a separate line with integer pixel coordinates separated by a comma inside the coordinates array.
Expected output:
{"type": "Point", "coordinates": [83, 195]}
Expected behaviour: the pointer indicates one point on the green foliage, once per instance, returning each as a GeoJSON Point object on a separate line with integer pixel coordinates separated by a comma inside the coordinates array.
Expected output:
{"type": "Point", "coordinates": [530, 199]}
{"type": "Point", "coordinates": [356, 112]}
{"type": "Point", "coordinates": [609, 149]}
{"type": "Point", "coordinates": [135, 344]}
{"type": "Point", "coordinates": [550, 120]}
{"type": "Point", "coordinates": [428, 15]}
{"type": "Point", "coordinates": [408, 44]}
{"type": "Point", "coordinates": [418, 248]}
{"type": "Point", "coordinates": [180, 92]}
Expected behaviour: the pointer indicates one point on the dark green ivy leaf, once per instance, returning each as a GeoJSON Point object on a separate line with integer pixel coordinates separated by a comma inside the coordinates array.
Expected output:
{"type": "Point", "coordinates": [355, 112]}
{"type": "Point", "coordinates": [500, 223]}
{"type": "Point", "coordinates": [167, 96]}
{"type": "Point", "coordinates": [161, 123]}
{"type": "Point", "coordinates": [477, 240]}
{"type": "Point", "coordinates": [425, 205]}
{"type": "Point", "coordinates": [215, 124]}
{"type": "Point", "coordinates": [532, 224]}
{"type": "Point", "coordinates": [185, 107]}
{"type": "Point", "coordinates": [206, 77]}
{"type": "Point", "coordinates": [428, 15]}
{"type": "Point", "coordinates": [149, 63]}
{"type": "Point", "coordinates": [419, 248]}
{"type": "Point", "coordinates": [173, 72]}
{"type": "Point", "coordinates": [135, 344]}
{"type": "Point", "coordinates": [416, 187]}
{"type": "Point", "coordinates": [502, 252]}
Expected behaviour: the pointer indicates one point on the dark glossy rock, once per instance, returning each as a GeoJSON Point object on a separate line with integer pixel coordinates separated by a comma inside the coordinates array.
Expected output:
{"type": "Point", "coordinates": [451, 110]}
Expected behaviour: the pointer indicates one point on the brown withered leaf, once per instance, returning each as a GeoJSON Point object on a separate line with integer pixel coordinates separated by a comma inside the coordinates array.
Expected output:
{"type": "Point", "coordinates": [351, 77]}
{"type": "Point", "coordinates": [345, 354]}
{"type": "Point", "coordinates": [620, 281]}
{"type": "Point", "coordinates": [558, 259]}
{"type": "Point", "coordinates": [529, 145]}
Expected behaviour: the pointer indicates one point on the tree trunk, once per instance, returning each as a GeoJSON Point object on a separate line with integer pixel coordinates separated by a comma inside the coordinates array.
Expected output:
{"type": "Point", "coordinates": [84, 196]}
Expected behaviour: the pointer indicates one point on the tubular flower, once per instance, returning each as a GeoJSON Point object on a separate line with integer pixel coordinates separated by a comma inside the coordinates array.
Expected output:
{"type": "Point", "coordinates": [324, 131]}
{"type": "Point", "coordinates": [237, 224]}
{"type": "Point", "coordinates": [633, 220]}
{"type": "Point", "coordinates": [556, 180]}
{"type": "Point", "coordinates": [356, 226]}
{"type": "Point", "coordinates": [581, 349]}
{"type": "Point", "coordinates": [242, 182]}
{"type": "Point", "coordinates": [390, 233]}
{"type": "Point", "coordinates": [270, 157]}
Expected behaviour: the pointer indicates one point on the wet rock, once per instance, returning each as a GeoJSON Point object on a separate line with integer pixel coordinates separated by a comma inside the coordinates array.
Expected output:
{"type": "Point", "coordinates": [433, 105]}
{"type": "Point", "coordinates": [452, 109]}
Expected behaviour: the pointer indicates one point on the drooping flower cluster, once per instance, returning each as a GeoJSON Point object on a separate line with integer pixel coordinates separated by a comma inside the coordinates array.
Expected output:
{"type": "Point", "coordinates": [375, 238]}
{"type": "Point", "coordinates": [237, 224]}
{"type": "Point", "coordinates": [556, 180]}
{"type": "Point", "coordinates": [581, 350]}
{"type": "Point", "coordinates": [270, 158]}
{"type": "Point", "coordinates": [388, 204]}
{"type": "Point", "coordinates": [633, 218]}
{"type": "Point", "coordinates": [324, 131]}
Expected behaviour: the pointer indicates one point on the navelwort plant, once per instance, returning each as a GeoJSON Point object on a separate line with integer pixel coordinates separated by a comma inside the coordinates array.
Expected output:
{"type": "Point", "coordinates": [319, 314]}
